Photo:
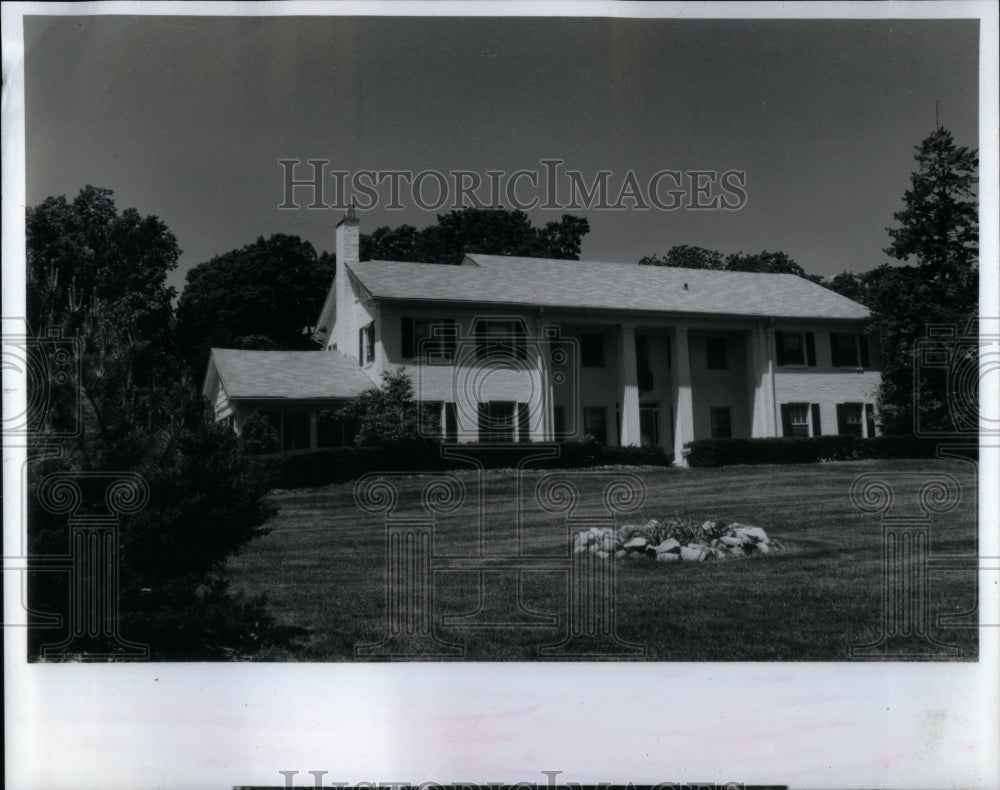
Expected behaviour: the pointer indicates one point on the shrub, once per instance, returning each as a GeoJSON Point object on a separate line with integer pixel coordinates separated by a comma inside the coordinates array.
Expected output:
{"type": "Point", "coordinates": [305, 468]}
{"type": "Point", "coordinates": [799, 450]}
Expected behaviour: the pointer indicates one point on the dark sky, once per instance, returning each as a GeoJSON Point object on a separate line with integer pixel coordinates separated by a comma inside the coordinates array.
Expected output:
{"type": "Point", "coordinates": [186, 117]}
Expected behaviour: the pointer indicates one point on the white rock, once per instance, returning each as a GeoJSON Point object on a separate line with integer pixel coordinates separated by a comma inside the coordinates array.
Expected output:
{"type": "Point", "coordinates": [620, 553]}
{"type": "Point", "coordinates": [669, 545]}
{"type": "Point", "coordinates": [668, 556]}
{"type": "Point", "coordinates": [636, 544]}
{"type": "Point", "coordinates": [708, 526]}
{"type": "Point", "coordinates": [731, 540]}
{"type": "Point", "coordinates": [754, 533]}
{"type": "Point", "coordinates": [693, 553]}
{"type": "Point", "coordinates": [763, 548]}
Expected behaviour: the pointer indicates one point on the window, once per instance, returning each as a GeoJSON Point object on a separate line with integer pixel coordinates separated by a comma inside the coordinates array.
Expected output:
{"type": "Point", "coordinates": [849, 351]}
{"type": "Point", "coordinates": [795, 348]}
{"type": "Point", "coordinates": [595, 423]}
{"type": "Point", "coordinates": [642, 363]}
{"type": "Point", "coordinates": [795, 419]}
{"type": "Point", "coordinates": [715, 352]}
{"type": "Point", "coordinates": [849, 419]}
{"type": "Point", "coordinates": [592, 350]}
{"type": "Point", "coordinates": [649, 425]}
{"type": "Point", "coordinates": [450, 423]}
{"type": "Point", "coordinates": [722, 422]}
{"type": "Point", "coordinates": [430, 339]}
{"type": "Point", "coordinates": [496, 422]}
{"type": "Point", "coordinates": [501, 340]}
{"type": "Point", "coordinates": [296, 430]}
{"type": "Point", "coordinates": [366, 344]}
{"type": "Point", "coordinates": [430, 418]}
{"type": "Point", "coordinates": [523, 423]}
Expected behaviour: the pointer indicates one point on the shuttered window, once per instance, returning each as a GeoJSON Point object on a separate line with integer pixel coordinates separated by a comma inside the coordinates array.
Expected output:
{"type": "Point", "coordinates": [795, 348]}
{"type": "Point", "coordinates": [432, 340]}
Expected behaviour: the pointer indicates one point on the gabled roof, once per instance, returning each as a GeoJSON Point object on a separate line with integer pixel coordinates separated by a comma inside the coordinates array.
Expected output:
{"type": "Point", "coordinates": [300, 375]}
{"type": "Point", "coordinates": [543, 282]}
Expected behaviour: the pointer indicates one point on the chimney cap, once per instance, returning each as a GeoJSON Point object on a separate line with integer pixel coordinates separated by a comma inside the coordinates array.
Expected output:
{"type": "Point", "coordinates": [351, 217]}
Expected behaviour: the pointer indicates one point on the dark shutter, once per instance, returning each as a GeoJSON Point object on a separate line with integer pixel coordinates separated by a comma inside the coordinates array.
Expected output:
{"type": "Point", "coordinates": [482, 349]}
{"type": "Point", "coordinates": [406, 335]}
{"type": "Point", "coordinates": [863, 343]}
{"type": "Point", "coordinates": [523, 423]}
{"type": "Point", "coordinates": [779, 347]}
{"type": "Point", "coordinates": [834, 352]}
{"type": "Point", "coordinates": [559, 422]}
{"type": "Point", "coordinates": [842, 419]}
{"type": "Point", "coordinates": [811, 349]}
{"type": "Point", "coordinates": [361, 346]}
{"type": "Point", "coordinates": [870, 419]}
{"type": "Point", "coordinates": [450, 336]}
{"type": "Point", "coordinates": [786, 419]}
{"type": "Point", "coordinates": [450, 423]}
{"type": "Point", "coordinates": [485, 433]}
{"type": "Point", "coordinates": [817, 425]}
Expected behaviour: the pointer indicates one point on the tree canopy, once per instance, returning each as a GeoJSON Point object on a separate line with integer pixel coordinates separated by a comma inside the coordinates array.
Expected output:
{"type": "Point", "coordinates": [99, 276]}
{"type": "Point", "coordinates": [938, 237]}
{"type": "Point", "coordinates": [262, 296]}
{"type": "Point", "coordinates": [472, 230]}
{"type": "Point", "coordinates": [691, 257]}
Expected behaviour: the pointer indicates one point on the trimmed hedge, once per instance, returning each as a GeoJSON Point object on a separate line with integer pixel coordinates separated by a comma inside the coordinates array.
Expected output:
{"type": "Point", "coordinates": [307, 468]}
{"type": "Point", "coordinates": [723, 452]}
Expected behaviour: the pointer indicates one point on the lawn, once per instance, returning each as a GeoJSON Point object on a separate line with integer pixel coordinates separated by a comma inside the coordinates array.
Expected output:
{"type": "Point", "coordinates": [323, 566]}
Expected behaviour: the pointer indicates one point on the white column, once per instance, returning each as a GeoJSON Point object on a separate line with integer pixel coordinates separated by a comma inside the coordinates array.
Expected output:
{"type": "Point", "coordinates": [683, 404]}
{"type": "Point", "coordinates": [543, 427]}
{"type": "Point", "coordinates": [758, 344]}
{"type": "Point", "coordinates": [770, 401]}
{"type": "Point", "coordinates": [628, 378]}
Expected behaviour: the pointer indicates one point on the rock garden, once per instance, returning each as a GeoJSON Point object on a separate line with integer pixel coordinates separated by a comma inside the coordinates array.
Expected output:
{"type": "Point", "coordinates": [676, 540]}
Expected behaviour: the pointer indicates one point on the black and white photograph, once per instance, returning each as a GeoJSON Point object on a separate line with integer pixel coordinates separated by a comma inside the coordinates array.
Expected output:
{"type": "Point", "coordinates": [501, 376]}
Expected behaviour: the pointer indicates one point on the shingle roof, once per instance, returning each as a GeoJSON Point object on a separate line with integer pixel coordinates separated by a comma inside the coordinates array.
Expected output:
{"type": "Point", "coordinates": [289, 374]}
{"type": "Point", "coordinates": [499, 279]}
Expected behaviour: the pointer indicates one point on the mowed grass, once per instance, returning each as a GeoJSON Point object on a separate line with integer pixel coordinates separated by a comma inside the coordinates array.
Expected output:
{"type": "Point", "coordinates": [323, 565]}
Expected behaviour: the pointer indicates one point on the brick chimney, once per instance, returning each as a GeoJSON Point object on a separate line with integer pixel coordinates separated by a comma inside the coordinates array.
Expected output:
{"type": "Point", "coordinates": [348, 253]}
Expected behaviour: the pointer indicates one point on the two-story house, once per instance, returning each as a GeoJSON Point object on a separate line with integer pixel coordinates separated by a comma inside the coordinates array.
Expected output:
{"type": "Point", "coordinates": [507, 349]}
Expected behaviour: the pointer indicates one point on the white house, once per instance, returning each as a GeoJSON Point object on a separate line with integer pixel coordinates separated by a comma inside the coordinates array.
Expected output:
{"type": "Point", "coordinates": [526, 349]}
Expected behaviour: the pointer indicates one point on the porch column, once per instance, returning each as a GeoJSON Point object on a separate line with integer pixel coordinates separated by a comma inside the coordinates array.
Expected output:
{"type": "Point", "coordinates": [628, 379]}
{"type": "Point", "coordinates": [683, 405]}
{"type": "Point", "coordinates": [543, 427]}
{"type": "Point", "coordinates": [759, 364]}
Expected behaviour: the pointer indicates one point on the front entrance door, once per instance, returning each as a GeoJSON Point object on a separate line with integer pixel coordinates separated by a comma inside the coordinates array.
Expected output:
{"type": "Point", "coordinates": [649, 425]}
